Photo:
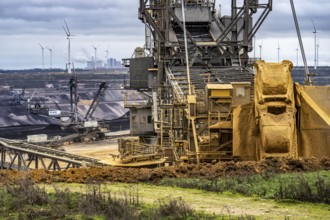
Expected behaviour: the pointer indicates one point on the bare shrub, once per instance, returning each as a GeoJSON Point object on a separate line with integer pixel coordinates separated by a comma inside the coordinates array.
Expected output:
{"type": "Point", "coordinates": [111, 205]}
{"type": "Point", "coordinates": [25, 192]}
{"type": "Point", "coordinates": [302, 189]}
{"type": "Point", "coordinates": [118, 208]}
{"type": "Point", "coordinates": [174, 208]}
{"type": "Point", "coordinates": [323, 189]}
{"type": "Point", "coordinates": [91, 203]}
{"type": "Point", "coordinates": [63, 198]}
{"type": "Point", "coordinates": [39, 212]}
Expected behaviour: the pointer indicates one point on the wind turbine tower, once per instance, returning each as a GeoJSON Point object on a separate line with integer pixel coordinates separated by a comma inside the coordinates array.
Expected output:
{"type": "Point", "coordinates": [50, 57]}
{"type": "Point", "coordinates": [107, 57]}
{"type": "Point", "coordinates": [95, 57]}
{"type": "Point", "coordinates": [68, 35]}
{"type": "Point", "coordinates": [254, 47]}
{"type": "Point", "coordinates": [278, 52]}
{"type": "Point", "coordinates": [317, 53]}
{"type": "Point", "coordinates": [42, 56]}
{"type": "Point", "coordinates": [297, 51]}
{"type": "Point", "coordinates": [315, 46]}
{"type": "Point", "coordinates": [260, 49]}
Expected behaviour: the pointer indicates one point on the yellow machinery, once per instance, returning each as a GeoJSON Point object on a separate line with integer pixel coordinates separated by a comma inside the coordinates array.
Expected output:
{"type": "Point", "coordinates": [286, 119]}
{"type": "Point", "coordinates": [275, 110]}
{"type": "Point", "coordinates": [205, 101]}
{"type": "Point", "coordinates": [283, 119]}
{"type": "Point", "coordinates": [313, 105]}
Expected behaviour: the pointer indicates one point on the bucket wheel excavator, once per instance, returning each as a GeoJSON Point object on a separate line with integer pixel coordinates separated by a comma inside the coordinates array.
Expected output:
{"type": "Point", "coordinates": [208, 101]}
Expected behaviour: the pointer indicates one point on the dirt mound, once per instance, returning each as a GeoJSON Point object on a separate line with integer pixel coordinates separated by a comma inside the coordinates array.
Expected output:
{"type": "Point", "coordinates": [208, 171]}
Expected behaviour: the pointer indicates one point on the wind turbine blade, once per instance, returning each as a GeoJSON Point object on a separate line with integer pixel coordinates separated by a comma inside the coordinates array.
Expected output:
{"type": "Point", "coordinates": [41, 46]}
{"type": "Point", "coordinates": [67, 27]}
{"type": "Point", "coordinates": [67, 34]}
{"type": "Point", "coordinates": [313, 25]}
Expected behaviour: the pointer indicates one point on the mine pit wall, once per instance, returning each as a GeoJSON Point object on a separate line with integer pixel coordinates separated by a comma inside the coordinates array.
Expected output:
{"type": "Point", "coordinates": [314, 121]}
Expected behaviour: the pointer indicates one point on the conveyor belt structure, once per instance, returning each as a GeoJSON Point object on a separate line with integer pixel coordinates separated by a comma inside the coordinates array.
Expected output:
{"type": "Point", "coordinates": [20, 155]}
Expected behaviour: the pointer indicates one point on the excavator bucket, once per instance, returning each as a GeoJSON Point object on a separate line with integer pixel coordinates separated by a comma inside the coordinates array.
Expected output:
{"type": "Point", "coordinates": [285, 119]}
{"type": "Point", "coordinates": [313, 105]}
{"type": "Point", "coordinates": [275, 110]}
{"type": "Point", "coordinates": [271, 121]}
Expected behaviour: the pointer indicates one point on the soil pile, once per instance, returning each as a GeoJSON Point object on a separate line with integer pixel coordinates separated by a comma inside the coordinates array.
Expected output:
{"type": "Point", "coordinates": [131, 175]}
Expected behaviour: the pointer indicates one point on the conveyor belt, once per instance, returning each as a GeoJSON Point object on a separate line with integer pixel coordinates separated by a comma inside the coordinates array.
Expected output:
{"type": "Point", "coordinates": [43, 152]}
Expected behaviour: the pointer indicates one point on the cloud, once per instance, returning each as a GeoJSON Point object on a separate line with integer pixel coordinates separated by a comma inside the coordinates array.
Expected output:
{"type": "Point", "coordinates": [25, 23]}
{"type": "Point", "coordinates": [115, 24]}
{"type": "Point", "coordinates": [85, 17]}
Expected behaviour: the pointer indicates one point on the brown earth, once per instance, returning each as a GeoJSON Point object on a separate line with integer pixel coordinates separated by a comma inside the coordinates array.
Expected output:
{"type": "Point", "coordinates": [131, 175]}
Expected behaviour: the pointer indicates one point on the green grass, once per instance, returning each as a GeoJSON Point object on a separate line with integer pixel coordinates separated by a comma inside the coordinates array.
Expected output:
{"type": "Point", "coordinates": [205, 199]}
{"type": "Point", "coordinates": [213, 205]}
{"type": "Point", "coordinates": [25, 200]}
{"type": "Point", "coordinates": [310, 187]}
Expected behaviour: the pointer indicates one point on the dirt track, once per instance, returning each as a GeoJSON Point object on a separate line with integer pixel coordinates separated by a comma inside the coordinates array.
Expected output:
{"type": "Point", "coordinates": [131, 175]}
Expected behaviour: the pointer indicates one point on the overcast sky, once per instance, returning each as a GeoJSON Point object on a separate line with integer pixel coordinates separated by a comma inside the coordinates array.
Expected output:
{"type": "Point", "coordinates": [113, 25]}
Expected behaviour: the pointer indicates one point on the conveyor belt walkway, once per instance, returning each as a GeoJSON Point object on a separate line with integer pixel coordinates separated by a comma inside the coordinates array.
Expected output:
{"type": "Point", "coordinates": [24, 156]}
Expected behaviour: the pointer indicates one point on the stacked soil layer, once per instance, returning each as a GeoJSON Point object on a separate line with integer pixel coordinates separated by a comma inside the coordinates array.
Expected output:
{"type": "Point", "coordinates": [133, 175]}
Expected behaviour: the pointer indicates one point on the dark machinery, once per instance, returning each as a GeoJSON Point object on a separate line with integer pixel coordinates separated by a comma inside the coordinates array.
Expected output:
{"type": "Point", "coordinates": [87, 126]}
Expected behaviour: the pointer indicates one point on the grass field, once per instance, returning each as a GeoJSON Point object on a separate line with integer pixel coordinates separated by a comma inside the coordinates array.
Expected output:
{"type": "Point", "coordinates": [250, 197]}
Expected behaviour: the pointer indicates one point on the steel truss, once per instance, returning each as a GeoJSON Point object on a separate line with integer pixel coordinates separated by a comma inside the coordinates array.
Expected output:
{"type": "Point", "coordinates": [23, 156]}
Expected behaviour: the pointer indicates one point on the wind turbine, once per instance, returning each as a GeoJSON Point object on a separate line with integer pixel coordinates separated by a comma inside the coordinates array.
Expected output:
{"type": "Point", "coordinates": [254, 47]}
{"type": "Point", "coordinates": [297, 50]}
{"type": "Point", "coordinates": [278, 52]}
{"type": "Point", "coordinates": [315, 49]}
{"type": "Point", "coordinates": [51, 56]}
{"type": "Point", "coordinates": [42, 56]}
{"type": "Point", "coordinates": [95, 58]}
{"type": "Point", "coordinates": [107, 57]}
{"type": "Point", "coordinates": [260, 49]}
{"type": "Point", "coordinates": [317, 53]}
{"type": "Point", "coordinates": [68, 35]}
